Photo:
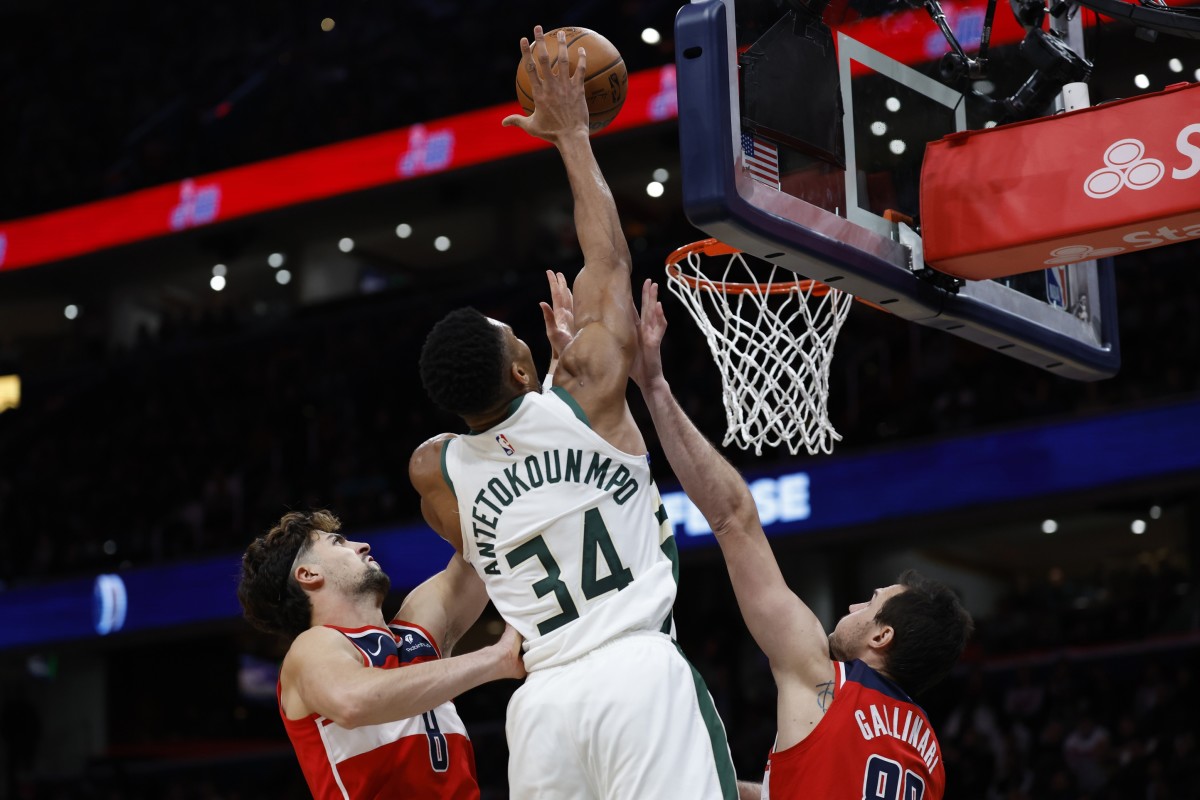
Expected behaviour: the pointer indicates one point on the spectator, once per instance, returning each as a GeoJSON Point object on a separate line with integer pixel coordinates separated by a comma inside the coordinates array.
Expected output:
{"type": "Point", "coordinates": [1086, 751]}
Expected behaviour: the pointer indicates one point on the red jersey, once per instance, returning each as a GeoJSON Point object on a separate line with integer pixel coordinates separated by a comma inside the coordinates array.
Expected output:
{"type": "Point", "coordinates": [422, 757]}
{"type": "Point", "coordinates": [873, 743]}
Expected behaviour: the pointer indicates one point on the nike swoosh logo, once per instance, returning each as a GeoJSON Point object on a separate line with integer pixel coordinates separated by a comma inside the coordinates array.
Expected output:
{"type": "Point", "coordinates": [378, 647]}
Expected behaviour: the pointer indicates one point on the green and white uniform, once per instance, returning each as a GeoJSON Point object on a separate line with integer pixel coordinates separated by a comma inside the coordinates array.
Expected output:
{"type": "Point", "coordinates": [569, 535]}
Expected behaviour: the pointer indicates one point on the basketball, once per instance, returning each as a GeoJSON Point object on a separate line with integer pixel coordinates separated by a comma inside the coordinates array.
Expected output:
{"type": "Point", "coordinates": [604, 84]}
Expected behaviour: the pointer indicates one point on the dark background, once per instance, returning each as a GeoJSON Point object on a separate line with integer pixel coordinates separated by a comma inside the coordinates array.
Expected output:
{"type": "Point", "coordinates": [171, 422]}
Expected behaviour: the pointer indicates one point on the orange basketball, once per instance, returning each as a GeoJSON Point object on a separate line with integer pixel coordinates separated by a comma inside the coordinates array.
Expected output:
{"type": "Point", "coordinates": [604, 84]}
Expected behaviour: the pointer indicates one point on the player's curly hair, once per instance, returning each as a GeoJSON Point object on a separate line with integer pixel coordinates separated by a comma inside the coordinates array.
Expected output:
{"type": "Point", "coordinates": [463, 363]}
{"type": "Point", "coordinates": [931, 629]}
{"type": "Point", "coordinates": [271, 599]}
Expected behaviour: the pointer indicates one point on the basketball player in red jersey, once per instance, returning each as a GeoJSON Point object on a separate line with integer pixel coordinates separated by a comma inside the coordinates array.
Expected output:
{"type": "Point", "coordinates": [366, 702]}
{"type": "Point", "coordinates": [847, 726]}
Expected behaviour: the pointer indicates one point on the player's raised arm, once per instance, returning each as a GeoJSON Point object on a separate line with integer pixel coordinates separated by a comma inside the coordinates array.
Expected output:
{"type": "Point", "coordinates": [782, 625]}
{"type": "Point", "coordinates": [446, 604]}
{"type": "Point", "coordinates": [595, 365]}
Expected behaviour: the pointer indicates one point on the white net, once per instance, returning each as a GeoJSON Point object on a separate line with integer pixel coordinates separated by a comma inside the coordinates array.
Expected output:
{"type": "Point", "coordinates": [773, 342]}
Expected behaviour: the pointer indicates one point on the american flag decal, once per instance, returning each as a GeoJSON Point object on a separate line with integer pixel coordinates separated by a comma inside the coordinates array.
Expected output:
{"type": "Point", "coordinates": [761, 158]}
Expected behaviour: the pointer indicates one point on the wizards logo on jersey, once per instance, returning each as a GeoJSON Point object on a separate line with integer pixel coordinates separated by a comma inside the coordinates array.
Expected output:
{"type": "Point", "coordinates": [414, 646]}
{"type": "Point", "coordinates": [502, 440]}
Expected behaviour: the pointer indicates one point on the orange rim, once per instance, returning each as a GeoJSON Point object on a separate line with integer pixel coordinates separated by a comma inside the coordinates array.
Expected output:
{"type": "Point", "coordinates": [715, 247]}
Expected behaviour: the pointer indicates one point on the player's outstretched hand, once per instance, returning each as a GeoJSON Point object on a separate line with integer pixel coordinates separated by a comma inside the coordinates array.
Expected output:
{"type": "Point", "coordinates": [652, 326]}
{"type": "Point", "coordinates": [559, 313]}
{"type": "Point", "coordinates": [559, 106]}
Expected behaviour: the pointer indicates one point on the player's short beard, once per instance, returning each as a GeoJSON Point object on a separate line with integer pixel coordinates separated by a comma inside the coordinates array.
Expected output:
{"type": "Point", "coordinates": [375, 582]}
{"type": "Point", "coordinates": [835, 652]}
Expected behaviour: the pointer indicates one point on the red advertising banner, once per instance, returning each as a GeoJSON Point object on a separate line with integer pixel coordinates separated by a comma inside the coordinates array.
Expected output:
{"type": "Point", "coordinates": [437, 146]}
{"type": "Point", "coordinates": [1115, 178]}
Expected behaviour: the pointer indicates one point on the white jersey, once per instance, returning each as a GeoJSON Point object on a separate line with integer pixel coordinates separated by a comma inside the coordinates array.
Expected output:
{"type": "Point", "coordinates": [567, 532]}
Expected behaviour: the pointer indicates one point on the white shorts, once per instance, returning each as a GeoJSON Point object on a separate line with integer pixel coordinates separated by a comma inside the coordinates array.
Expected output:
{"type": "Point", "coordinates": [632, 719]}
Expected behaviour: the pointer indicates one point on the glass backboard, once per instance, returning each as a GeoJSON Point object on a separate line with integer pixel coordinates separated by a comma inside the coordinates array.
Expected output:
{"type": "Point", "coordinates": [809, 156]}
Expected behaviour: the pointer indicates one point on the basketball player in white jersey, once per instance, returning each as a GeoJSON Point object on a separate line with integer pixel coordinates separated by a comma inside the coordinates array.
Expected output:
{"type": "Point", "coordinates": [550, 499]}
{"type": "Point", "coordinates": [366, 703]}
{"type": "Point", "coordinates": [847, 727]}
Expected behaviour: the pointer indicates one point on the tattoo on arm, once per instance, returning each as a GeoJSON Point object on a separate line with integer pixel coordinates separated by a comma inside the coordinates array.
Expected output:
{"type": "Point", "coordinates": [824, 695]}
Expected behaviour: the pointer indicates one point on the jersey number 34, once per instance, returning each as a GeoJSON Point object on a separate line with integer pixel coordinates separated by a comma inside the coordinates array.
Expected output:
{"type": "Point", "coordinates": [596, 544]}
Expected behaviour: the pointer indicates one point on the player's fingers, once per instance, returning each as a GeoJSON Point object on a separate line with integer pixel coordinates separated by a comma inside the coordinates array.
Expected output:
{"type": "Point", "coordinates": [541, 52]}
{"type": "Point", "coordinates": [527, 58]}
{"type": "Point", "coordinates": [580, 66]}
{"type": "Point", "coordinates": [653, 307]}
{"type": "Point", "coordinates": [562, 62]}
{"type": "Point", "coordinates": [515, 121]}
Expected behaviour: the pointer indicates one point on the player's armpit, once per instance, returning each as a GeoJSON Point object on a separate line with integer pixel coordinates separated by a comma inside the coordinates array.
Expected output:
{"type": "Point", "coordinates": [803, 702]}
{"type": "Point", "coordinates": [595, 366]}
{"type": "Point", "coordinates": [446, 604]}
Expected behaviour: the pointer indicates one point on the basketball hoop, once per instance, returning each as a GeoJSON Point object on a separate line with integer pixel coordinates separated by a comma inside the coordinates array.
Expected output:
{"type": "Point", "coordinates": [772, 340]}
